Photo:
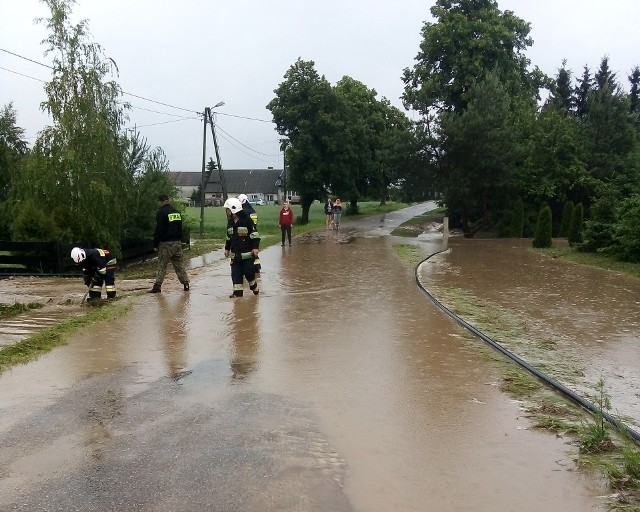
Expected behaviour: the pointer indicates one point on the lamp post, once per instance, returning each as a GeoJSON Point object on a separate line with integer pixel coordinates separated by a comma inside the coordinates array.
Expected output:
{"type": "Point", "coordinates": [203, 181]}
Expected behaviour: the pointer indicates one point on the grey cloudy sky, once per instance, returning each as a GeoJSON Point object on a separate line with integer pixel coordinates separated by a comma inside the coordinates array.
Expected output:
{"type": "Point", "coordinates": [196, 53]}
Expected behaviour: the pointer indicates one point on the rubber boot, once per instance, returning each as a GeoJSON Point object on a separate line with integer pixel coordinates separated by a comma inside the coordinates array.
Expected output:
{"type": "Point", "coordinates": [155, 289]}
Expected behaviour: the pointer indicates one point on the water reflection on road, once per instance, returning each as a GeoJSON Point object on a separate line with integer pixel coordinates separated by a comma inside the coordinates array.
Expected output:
{"type": "Point", "coordinates": [339, 388]}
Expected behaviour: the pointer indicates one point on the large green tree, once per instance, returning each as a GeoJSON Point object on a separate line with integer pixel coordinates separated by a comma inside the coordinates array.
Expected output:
{"type": "Point", "coordinates": [304, 113]}
{"type": "Point", "coordinates": [467, 39]}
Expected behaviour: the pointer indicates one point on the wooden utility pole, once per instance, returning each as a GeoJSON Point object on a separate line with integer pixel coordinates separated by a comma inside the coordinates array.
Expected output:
{"type": "Point", "coordinates": [203, 181]}
{"type": "Point", "coordinates": [223, 183]}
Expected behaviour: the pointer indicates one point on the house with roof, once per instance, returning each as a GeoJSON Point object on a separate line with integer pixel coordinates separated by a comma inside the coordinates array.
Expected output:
{"type": "Point", "coordinates": [258, 184]}
{"type": "Point", "coordinates": [187, 183]}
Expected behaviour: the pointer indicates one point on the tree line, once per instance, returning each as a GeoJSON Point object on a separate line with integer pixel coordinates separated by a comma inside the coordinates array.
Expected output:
{"type": "Point", "coordinates": [497, 140]}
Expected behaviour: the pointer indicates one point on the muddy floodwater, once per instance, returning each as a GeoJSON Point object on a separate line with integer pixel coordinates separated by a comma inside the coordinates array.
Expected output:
{"type": "Point", "coordinates": [339, 388]}
{"type": "Point", "coordinates": [587, 319]}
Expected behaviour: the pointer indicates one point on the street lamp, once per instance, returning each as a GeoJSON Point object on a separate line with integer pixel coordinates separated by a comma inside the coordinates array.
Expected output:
{"type": "Point", "coordinates": [203, 182]}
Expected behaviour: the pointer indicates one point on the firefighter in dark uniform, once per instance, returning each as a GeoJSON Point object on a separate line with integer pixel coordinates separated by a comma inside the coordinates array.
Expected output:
{"type": "Point", "coordinates": [98, 268]}
{"type": "Point", "coordinates": [242, 244]}
{"type": "Point", "coordinates": [251, 212]}
{"type": "Point", "coordinates": [167, 241]}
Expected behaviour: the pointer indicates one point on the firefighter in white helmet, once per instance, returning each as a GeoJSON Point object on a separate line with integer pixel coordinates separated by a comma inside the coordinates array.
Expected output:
{"type": "Point", "coordinates": [98, 268]}
{"type": "Point", "coordinates": [242, 245]}
{"type": "Point", "coordinates": [251, 212]}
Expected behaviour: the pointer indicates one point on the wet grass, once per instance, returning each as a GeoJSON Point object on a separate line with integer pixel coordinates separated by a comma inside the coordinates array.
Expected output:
{"type": "Point", "coordinates": [408, 253]}
{"type": "Point", "coordinates": [9, 310]}
{"type": "Point", "coordinates": [591, 259]}
{"type": "Point", "coordinates": [519, 383]}
{"type": "Point", "coordinates": [417, 225]}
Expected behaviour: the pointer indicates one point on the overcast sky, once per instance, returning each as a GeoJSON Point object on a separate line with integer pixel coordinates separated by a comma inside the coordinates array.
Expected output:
{"type": "Point", "coordinates": [195, 53]}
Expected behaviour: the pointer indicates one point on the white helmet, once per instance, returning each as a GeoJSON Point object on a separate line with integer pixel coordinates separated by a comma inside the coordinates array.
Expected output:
{"type": "Point", "coordinates": [78, 254]}
{"type": "Point", "coordinates": [233, 204]}
{"type": "Point", "coordinates": [243, 198]}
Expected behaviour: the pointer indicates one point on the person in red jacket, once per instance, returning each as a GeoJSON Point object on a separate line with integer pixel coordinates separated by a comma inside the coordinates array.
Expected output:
{"type": "Point", "coordinates": [285, 221]}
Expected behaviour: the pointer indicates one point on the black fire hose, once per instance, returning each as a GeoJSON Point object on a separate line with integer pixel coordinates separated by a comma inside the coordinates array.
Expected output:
{"type": "Point", "coordinates": [571, 395]}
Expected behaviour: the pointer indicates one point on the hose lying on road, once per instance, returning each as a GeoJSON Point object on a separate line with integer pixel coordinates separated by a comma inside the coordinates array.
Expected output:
{"type": "Point", "coordinates": [535, 372]}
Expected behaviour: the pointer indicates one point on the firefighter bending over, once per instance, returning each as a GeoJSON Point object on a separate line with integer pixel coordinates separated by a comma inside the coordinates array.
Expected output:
{"type": "Point", "coordinates": [98, 268]}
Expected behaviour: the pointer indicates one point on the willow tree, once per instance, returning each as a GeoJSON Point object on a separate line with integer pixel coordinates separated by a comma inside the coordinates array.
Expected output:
{"type": "Point", "coordinates": [74, 187]}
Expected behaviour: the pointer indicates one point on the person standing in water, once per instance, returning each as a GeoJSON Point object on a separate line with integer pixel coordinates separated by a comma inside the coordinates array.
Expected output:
{"type": "Point", "coordinates": [337, 214]}
{"type": "Point", "coordinates": [285, 221]}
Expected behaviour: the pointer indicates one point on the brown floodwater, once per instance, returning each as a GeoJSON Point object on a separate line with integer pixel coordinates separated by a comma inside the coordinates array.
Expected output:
{"type": "Point", "coordinates": [591, 317]}
{"type": "Point", "coordinates": [339, 388]}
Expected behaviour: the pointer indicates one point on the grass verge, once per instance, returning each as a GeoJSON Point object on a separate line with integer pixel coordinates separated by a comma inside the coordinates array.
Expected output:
{"type": "Point", "coordinates": [417, 225]}
{"type": "Point", "coordinates": [408, 253]}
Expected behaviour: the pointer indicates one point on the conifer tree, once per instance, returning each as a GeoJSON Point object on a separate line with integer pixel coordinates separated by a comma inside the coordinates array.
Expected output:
{"type": "Point", "coordinates": [543, 235]}
{"type": "Point", "coordinates": [634, 94]}
{"type": "Point", "coordinates": [582, 92]}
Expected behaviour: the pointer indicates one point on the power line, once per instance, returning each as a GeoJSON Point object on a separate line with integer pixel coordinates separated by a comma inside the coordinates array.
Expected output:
{"type": "Point", "coordinates": [243, 151]}
{"type": "Point", "coordinates": [26, 58]}
{"type": "Point", "coordinates": [243, 117]}
{"type": "Point", "coordinates": [181, 118]}
{"type": "Point", "coordinates": [244, 145]}
{"type": "Point", "coordinates": [22, 74]}
{"type": "Point", "coordinates": [163, 113]}
{"type": "Point", "coordinates": [160, 103]}
{"type": "Point", "coordinates": [165, 122]}
{"type": "Point", "coordinates": [125, 92]}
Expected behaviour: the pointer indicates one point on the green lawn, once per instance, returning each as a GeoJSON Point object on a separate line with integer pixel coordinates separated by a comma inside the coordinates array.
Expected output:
{"type": "Point", "coordinates": [215, 220]}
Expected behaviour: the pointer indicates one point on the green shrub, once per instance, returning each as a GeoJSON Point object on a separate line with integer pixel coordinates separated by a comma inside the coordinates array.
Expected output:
{"type": "Point", "coordinates": [599, 229]}
{"type": "Point", "coordinates": [626, 237]}
{"type": "Point", "coordinates": [544, 228]}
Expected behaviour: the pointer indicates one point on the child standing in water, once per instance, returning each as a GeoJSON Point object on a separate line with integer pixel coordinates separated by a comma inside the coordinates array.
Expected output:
{"type": "Point", "coordinates": [328, 214]}
{"type": "Point", "coordinates": [337, 213]}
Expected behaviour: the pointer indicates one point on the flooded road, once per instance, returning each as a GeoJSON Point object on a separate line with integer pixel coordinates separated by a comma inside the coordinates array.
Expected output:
{"type": "Point", "coordinates": [339, 388]}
